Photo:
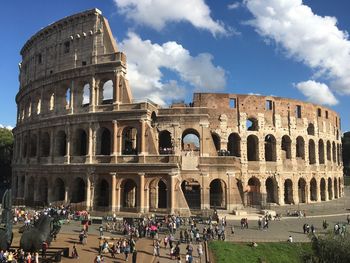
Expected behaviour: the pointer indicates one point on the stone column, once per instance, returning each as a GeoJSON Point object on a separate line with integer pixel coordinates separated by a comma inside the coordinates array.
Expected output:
{"type": "Point", "coordinates": [172, 192]}
{"type": "Point", "coordinates": [318, 190]}
{"type": "Point", "coordinates": [205, 191]}
{"type": "Point", "coordinates": [71, 102]}
{"type": "Point", "coordinates": [230, 191]}
{"type": "Point", "coordinates": [68, 142]}
{"type": "Point", "coordinates": [118, 198]}
{"type": "Point", "coordinates": [94, 94]}
{"type": "Point", "coordinates": [52, 145]}
{"type": "Point", "coordinates": [280, 189]}
{"type": "Point", "coordinates": [326, 190]}
{"type": "Point", "coordinates": [66, 194]}
{"type": "Point", "coordinates": [113, 193]}
{"type": "Point", "coordinates": [295, 193]}
{"type": "Point", "coordinates": [115, 140]}
{"type": "Point", "coordinates": [142, 137]}
{"type": "Point", "coordinates": [116, 92]}
{"type": "Point", "coordinates": [142, 192]}
{"type": "Point", "coordinates": [91, 143]}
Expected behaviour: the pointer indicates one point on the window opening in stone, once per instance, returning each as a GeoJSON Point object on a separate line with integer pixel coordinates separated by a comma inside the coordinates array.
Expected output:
{"type": "Point", "coordinates": [288, 191]}
{"type": "Point", "coordinates": [162, 194]}
{"type": "Point", "coordinates": [302, 190]}
{"type": "Point", "coordinates": [130, 141]}
{"type": "Point", "coordinates": [330, 189]}
{"type": "Point", "coordinates": [334, 155]}
{"type": "Point", "coordinates": [298, 111]}
{"type": "Point", "coordinates": [45, 144]}
{"type": "Point", "coordinates": [253, 192]}
{"type": "Point", "coordinates": [234, 145]}
{"type": "Point", "coordinates": [252, 124]}
{"type": "Point", "coordinates": [43, 192]}
{"type": "Point", "coordinates": [107, 94]}
{"type": "Point", "coordinates": [83, 63]}
{"type": "Point", "coordinates": [270, 148]}
{"type": "Point", "coordinates": [78, 191]}
{"type": "Point", "coordinates": [52, 101]}
{"type": "Point", "coordinates": [39, 59]}
{"type": "Point", "coordinates": [323, 189]}
{"type": "Point", "coordinates": [81, 143]}
{"type": "Point", "coordinates": [216, 141]}
{"type": "Point", "coordinates": [33, 143]}
{"type": "Point", "coordinates": [253, 148]}
{"type": "Point", "coordinates": [321, 151]}
{"type": "Point", "coordinates": [165, 143]}
{"type": "Point", "coordinates": [68, 98]}
{"type": "Point", "coordinates": [312, 154]}
{"type": "Point", "coordinates": [233, 103]}
{"type": "Point", "coordinates": [129, 190]}
{"type": "Point", "coordinates": [271, 190]}
{"type": "Point", "coordinates": [30, 194]}
{"type": "Point", "coordinates": [38, 107]}
{"type": "Point", "coordinates": [66, 47]}
{"type": "Point", "coordinates": [103, 193]}
{"type": "Point", "coordinates": [58, 190]}
{"type": "Point", "coordinates": [319, 112]}
{"type": "Point", "coordinates": [192, 192]}
{"type": "Point", "coordinates": [86, 95]}
{"type": "Point", "coordinates": [311, 129]}
{"type": "Point", "coordinates": [328, 151]}
{"type": "Point", "coordinates": [190, 141]}
{"type": "Point", "coordinates": [326, 114]}
{"type": "Point", "coordinates": [286, 148]}
{"type": "Point", "coordinates": [268, 105]}
{"type": "Point", "coordinates": [61, 143]}
{"type": "Point", "coordinates": [300, 148]}
{"type": "Point", "coordinates": [217, 194]}
{"type": "Point", "coordinates": [105, 142]}
{"type": "Point", "coordinates": [313, 190]}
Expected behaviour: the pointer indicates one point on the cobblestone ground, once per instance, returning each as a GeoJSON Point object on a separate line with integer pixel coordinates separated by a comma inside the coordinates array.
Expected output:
{"type": "Point", "coordinates": [334, 211]}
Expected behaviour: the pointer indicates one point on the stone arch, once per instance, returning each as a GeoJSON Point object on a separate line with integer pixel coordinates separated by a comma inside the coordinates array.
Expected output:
{"type": "Point", "coordinates": [129, 194]}
{"type": "Point", "coordinates": [190, 140]}
{"type": "Point", "coordinates": [328, 151]}
{"type": "Point", "coordinates": [302, 190]}
{"type": "Point", "coordinates": [52, 102]}
{"type": "Point", "coordinates": [253, 192]}
{"type": "Point", "coordinates": [253, 148]}
{"type": "Point", "coordinates": [43, 189]}
{"type": "Point", "coordinates": [216, 141]}
{"type": "Point", "coordinates": [86, 95]}
{"type": "Point", "coordinates": [336, 188]}
{"type": "Point", "coordinates": [312, 152]}
{"type": "Point", "coordinates": [164, 142]}
{"type": "Point", "coordinates": [311, 129]}
{"type": "Point", "coordinates": [61, 143]}
{"type": "Point", "coordinates": [323, 189]}
{"type": "Point", "coordinates": [104, 141]}
{"type": "Point", "coordinates": [59, 190]}
{"type": "Point", "coordinates": [78, 191]}
{"type": "Point", "coordinates": [45, 144]}
{"type": "Point", "coordinates": [252, 124]}
{"type": "Point", "coordinates": [340, 187]}
{"type": "Point", "coordinates": [217, 194]}
{"type": "Point", "coordinates": [270, 148]}
{"type": "Point", "coordinates": [25, 146]}
{"type": "Point", "coordinates": [321, 152]}
{"type": "Point", "coordinates": [68, 96]}
{"type": "Point", "coordinates": [153, 119]}
{"type": "Point", "coordinates": [334, 155]}
{"type": "Point", "coordinates": [33, 144]}
{"type": "Point", "coordinates": [158, 194]}
{"type": "Point", "coordinates": [107, 92]}
{"type": "Point", "coordinates": [288, 191]}
{"type": "Point", "coordinates": [234, 144]}
{"type": "Point", "coordinates": [130, 141]}
{"type": "Point", "coordinates": [80, 143]}
{"type": "Point", "coordinates": [102, 194]}
{"type": "Point", "coordinates": [271, 190]}
{"type": "Point", "coordinates": [300, 147]}
{"type": "Point", "coordinates": [313, 190]}
{"type": "Point", "coordinates": [286, 147]}
{"type": "Point", "coordinates": [330, 189]}
{"type": "Point", "coordinates": [192, 192]}
{"type": "Point", "coordinates": [31, 189]}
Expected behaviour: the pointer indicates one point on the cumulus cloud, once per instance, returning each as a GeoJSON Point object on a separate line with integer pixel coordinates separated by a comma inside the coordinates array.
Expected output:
{"type": "Point", "coordinates": [307, 37]}
{"type": "Point", "coordinates": [234, 5]}
{"type": "Point", "coordinates": [157, 13]}
{"type": "Point", "coordinates": [146, 61]}
{"type": "Point", "coordinates": [317, 92]}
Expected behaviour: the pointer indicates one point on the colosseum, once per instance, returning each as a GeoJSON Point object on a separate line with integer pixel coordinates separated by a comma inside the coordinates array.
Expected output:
{"type": "Point", "coordinates": [82, 139]}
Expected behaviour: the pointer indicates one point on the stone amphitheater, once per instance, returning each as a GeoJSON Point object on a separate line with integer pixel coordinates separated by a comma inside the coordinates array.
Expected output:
{"type": "Point", "coordinates": [82, 139]}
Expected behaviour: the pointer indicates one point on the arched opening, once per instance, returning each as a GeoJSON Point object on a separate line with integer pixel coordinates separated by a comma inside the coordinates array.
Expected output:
{"type": "Point", "coordinates": [330, 189]}
{"type": "Point", "coordinates": [43, 191]}
{"type": "Point", "coordinates": [321, 151]}
{"type": "Point", "coordinates": [270, 148]}
{"type": "Point", "coordinates": [86, 95]}
{"type": "Point", "coordinates": [107, 92]}
{"type": "Point", "coordinates": [68, 98]}
{"type": "Point", "coordinates": [334, 154]}
{"type": "Point", "coordinates": [340, 188]}
{"type": "Point", "coordinates": [78, 191]}
{"type": "Point", "coordinates": [103, 193]}
{"type": "Point", "coordinates": [286, 147]}
{"type": "Point", "coordinates": [52, 102]}
{"type": "Point", "coordinates": [252, 124]}
{"type": "Point", "coordinates": [338, 154]}
{"type": "Point", "coordinates": [129, 194]}
{"type": "Point", "coordinates": [153, 119]}
{"type": "Point", "coordinates": [105, 142]}
{"type": "Point", "coordinates": [271, 190]}
{"type": "Point", "coordinates": [33, 143]}
{"type": "Point", "coordinates": [302, 190]}
{"type": "Point", "coordinates": [216, 140]}
{"type": "Point", "coordinates": [312, 153]}
{"type": "Point", "coordinates": [234, 145]}
{"type": "Point", "coordinates": [61, 143]}
{"type": "Point", "coordinates": [328, 151]}
{"type": "Point", "coordinates": [313, 190]}
{"type": "Point", "coordinates": [323, 189]}
{"type": "Point", "coordinates": [335, 188]}
{"type": "Point", "coordinates": [162, 194]}
{"type": "Point", "coordinates": [58, 190]}
{"type": "Point", "coordinates": [253, 148]}
{"type": "Point", "coordinates": [81, 143]}
{"type": "Point", "coordinates": [192, 192]}
{"type": "Point", "coordinates": [130, 141]}
{"type": "Point", "coordinates": [217, 194]}
{"type": "Point", "coordinates": [30, 193]}
{"type": "Point", "coordinates": [45, 144]}
{"type": "Point", "coordinates": [190, 140]}
{"type": "Point", "coordinates": [165, 143]}
{"type": "Point", "coordinates": [311, 129]}
{"type": "Point", "coordinates": [288, 191]}
{"type": "Point", "coordinates": [253, 193]}
{"type": "Point", "coordinates": [300, 148]}
{"type": "Point", "coordinates": [25, 147]}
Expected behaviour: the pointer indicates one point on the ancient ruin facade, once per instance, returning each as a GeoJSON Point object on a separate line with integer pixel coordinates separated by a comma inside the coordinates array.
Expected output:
{"type": "Point", "coordinates": [82, 139]}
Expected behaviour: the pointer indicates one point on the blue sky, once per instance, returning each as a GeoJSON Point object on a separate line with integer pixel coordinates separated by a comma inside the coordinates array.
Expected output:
{"type": "Point", "coordinates": [288, 48]}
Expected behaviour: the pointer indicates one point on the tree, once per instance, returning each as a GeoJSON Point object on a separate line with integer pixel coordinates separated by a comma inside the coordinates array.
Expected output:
{"type": "Point", "coordinates": [6, 149]}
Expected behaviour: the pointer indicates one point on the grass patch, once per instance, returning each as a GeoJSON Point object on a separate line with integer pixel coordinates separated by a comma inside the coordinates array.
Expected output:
{"type": "Point", "coordinates": [227, 252]}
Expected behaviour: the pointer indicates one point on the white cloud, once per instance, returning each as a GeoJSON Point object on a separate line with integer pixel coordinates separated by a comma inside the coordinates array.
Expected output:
{"type": "Point", "coordinates": [146, 59]}
{"type": "Point", "coordinates": [317, 92]}
{"type": "Point", "coordinates": [234, 5]}
{"type": "Point", "coordinates": [9, 127]}
{"type": "Point", "coordinates": [157, 13]}
{"type": "Point", "coordinates": [314, 40]}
